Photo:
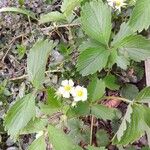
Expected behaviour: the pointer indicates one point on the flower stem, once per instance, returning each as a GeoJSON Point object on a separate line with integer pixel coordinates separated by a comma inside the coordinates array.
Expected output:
{"type": "Point", "coordinates": [91, 133]}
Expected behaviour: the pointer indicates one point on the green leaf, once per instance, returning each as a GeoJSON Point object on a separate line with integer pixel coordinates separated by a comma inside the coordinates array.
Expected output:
{"type": "Point", "coordinates": [68, 6]}
{"type": "Point", "coordinates": [89, 44]}
{"type": "Point", "coordinates": [92, 60]}
{"type": "Point", "coordinates": [18, 10]}
{"type": "Point", "coordinates": [112, 58]}
{"type": "Point", "coordinates": [95, 148]}
{"type": "Point", "coordinates": [21, 51]}
{"type": "Point", "coordinates": [58, 139]}
{"type": "Point", "coordinates": [129, 91]}
{"type": "Point", "coordinates": [96, 21]}
{"type": "Point", "coordinates": [82, 109]}
{"type": "Point", "coordinates": [144, 95]}
{"type": "Point", "coordinates": [111, 82]}
{"type": "Point", "coordinates": [140, 18]}
{"type": "Point", "coordinates": [54, 16]}
{"type": "Point", "coordinates": [36, 62]}
{"type": "Point", "coordinates": [103, 112]}
{"type": "Point", "coordinates": [102, 137]}
{"type": "Point", "coordinates": [125, 31]}
{"type": "Point", "coordinates": [19, 115]}
{"type": "Point", "coordinates": [96, 89]}
{"type": "Point", "coordinates": [135, 129]}
{"type": "Point", "coordinates": [122, 62]}
{"type": "Point", "coordinates": [78, 131]}
{"type": "Point", "coordinates": [21, 2]}
{"type": "Point", "coordinates": [38, 144]}
{"type": "Point", "coordinates": [52, 99]}
{"type": "Point", "coordinates": [136, 47]}
{"type": "Point", "coordinates": [34, 126]}
{"type": "Point", "coordinates": [123, 126]}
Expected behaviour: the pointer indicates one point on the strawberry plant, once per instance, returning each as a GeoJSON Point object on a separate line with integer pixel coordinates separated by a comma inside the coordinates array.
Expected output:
{"type": "Point", "coordinates": [67, 119]}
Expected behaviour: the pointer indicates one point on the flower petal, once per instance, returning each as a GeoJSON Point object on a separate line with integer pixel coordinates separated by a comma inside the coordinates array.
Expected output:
{"type": "Point", "coordinates": [64, 82]}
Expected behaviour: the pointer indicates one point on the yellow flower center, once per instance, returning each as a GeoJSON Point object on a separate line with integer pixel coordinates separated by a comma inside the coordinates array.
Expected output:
{"type": "Point", "coordinates": [80, 93]}
{"type": "Point", "coordinates": [67, 88]}
{"type": "Point", "coordinates": [118, 3]}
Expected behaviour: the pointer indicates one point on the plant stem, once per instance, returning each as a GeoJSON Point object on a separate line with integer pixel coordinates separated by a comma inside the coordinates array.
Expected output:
{"type": "Point", "coordinates": [91, 133]}
{"type": "Point", "coordinates": [25, 75]}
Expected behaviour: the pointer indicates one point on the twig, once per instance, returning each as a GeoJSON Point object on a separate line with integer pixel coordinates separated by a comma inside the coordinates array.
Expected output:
{"type": "Point", "coordinates": [91, 132]}
{"type": "Point", "coordinates": [25, 75]}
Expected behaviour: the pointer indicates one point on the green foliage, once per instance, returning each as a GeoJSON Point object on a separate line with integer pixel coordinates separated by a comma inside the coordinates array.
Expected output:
{"type": "Point", "coordinates": [102, 50]}
{"type": "Point", "coordinates": [111, 82]}
{"type": "Point", "coordinates": [123, 126]}
{"type": "Point", "coordinates": [140, 18]}
{"type": "Point", "coordinates": [52, 16]}
{"type": "Point", "coordinates": [96, 21]}
{"type": "Point", "coordinates": [144, 95]}
{"type": "Point", "coordinates": [102, 138]}
{"type": "Point", "coordinates": [92, 60]}
{"type": "Point", "coordinates": [96, 89]}
{"type": "Point", "coordinates": [103, 112]}
{"type": "Point", "coordinates": [36, 62]}
{"type": "Point", "coordinates": [21, 51]}
{"type": "Point", "coordinates": [68, 6]}
{"type": "Point", "coordinates": [18, 10]}
{"type": "Point", "coordinates": [34, 126]}
{"type": "Point", "coordinates": [95, 148]}
{"type": "Point", "coordinates": [38, 144]}
{"type": "Point", "coordinates": [129, 91]}
{"type": "Point", "coordinates": [59, 139]}
{"type": "Point", "coordinates": [19, 115]}
{"type": "Point", "coordinates": [136, 47]}
{"type": "Point", "coordinates": [135, 129]}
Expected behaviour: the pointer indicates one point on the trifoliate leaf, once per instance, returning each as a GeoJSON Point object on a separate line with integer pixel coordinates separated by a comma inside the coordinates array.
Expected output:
{"type": "Point", "coordinates": [144, 95]}
{"type": "Point", "coordinates": [19, 115]}
{"type": "Point", "coordinates": [96, 89]}
{"type": "Point", "coordinates": [140, 18]}
{"type": "Point", "coordinates": [38, 144]}
{"type": "Point", "coordinates": [92, 60]}
{"type": "Point", "coordinates": [51, 17]}
{"type": "Point", "coordinates": [111, 82]}
{"type": "Point", "coordinates": [129, 91]}
{"type": "Point", "coordinates": [96, 21]}
{"type": "Point", "coordinates": [103, 112]}
{"type": "Point", "coordinates": [136, 47]}
{"type": "Point", "coordinates": [36, 62]}
{"type": "Point", "coordinates": [58, 139]}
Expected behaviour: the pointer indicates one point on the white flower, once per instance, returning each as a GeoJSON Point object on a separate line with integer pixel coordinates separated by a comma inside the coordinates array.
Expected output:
{"type": "Point", "coordinates": [66, 88]}
{"type": "Point", "coordinates": [116, 4]}
{"type": "Point", "coordinates": [79, 93]}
